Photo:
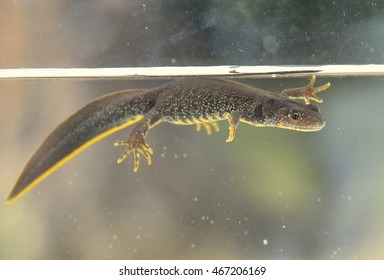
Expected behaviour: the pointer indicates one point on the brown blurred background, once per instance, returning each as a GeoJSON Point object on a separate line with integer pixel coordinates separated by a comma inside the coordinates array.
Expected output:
{"type": "Point", "coordinates": [271, 194]}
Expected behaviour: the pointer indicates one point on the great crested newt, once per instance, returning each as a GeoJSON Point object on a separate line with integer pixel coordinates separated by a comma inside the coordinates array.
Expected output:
{"type": "Point", "coordinates": [199, 101]}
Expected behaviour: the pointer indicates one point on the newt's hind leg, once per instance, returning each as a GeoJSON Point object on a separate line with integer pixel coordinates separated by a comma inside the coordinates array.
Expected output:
{"type": "Point", "coordinates": [307, 93]}
{"type": "Point", "coordinates": [136, 143]}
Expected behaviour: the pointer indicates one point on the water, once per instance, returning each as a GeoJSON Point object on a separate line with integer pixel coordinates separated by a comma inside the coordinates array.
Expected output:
{"type": "Point", "coordinates": [295, 195]}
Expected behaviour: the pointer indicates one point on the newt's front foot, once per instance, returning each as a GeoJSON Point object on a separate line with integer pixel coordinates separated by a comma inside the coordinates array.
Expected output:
{"type": "Point", "coordinates": [307, 93]}
{"type": "Point", "coordinates": [136, 144]}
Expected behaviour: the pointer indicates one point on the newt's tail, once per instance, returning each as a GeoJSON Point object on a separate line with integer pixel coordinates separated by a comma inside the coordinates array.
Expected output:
{"type": "Point", "coordinates": [96, 120]}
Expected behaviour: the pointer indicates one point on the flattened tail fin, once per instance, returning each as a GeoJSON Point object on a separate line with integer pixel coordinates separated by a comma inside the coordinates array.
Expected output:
{"type": "Point", "coordinates": [20, 188]}
{"type": "Point", "coordinates": [96, 120]}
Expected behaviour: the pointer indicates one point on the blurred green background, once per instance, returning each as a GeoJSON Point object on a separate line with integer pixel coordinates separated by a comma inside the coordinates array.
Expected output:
{"type": "Point", "coordinates": [270, 194]}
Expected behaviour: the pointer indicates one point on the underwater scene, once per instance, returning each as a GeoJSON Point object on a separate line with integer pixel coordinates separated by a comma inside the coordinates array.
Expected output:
{"type": "Point", "coordinates": [270, 193]}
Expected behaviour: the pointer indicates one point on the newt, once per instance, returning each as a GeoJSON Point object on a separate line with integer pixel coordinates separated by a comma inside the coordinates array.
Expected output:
{"type": "Point", "coordinates": [197, 100]}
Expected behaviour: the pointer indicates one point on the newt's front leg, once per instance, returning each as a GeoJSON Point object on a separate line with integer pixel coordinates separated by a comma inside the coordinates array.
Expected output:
{"type": "Point", "coordinates": [136, 143]}
{"type": "Point", "coordinates": [307, 93]}
{"type": "Point", "coordinates": [233, 120]}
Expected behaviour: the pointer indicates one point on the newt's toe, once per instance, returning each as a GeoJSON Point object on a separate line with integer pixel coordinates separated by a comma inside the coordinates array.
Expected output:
{"type": "Point", "coordinates": [137, 147]}
{"type": "Point", "coordinates": [307, 93]}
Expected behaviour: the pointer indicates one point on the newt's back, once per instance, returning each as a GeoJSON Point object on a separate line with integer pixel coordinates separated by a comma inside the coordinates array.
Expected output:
{"type": "Point", "coordinates": [204, 97]}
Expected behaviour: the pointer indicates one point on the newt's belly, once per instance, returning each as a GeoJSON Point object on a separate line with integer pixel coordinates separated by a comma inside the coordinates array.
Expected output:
{"type": "Point", "coordinates": [194, 119]}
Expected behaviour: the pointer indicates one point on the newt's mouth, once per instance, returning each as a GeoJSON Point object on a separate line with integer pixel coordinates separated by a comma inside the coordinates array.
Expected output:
{"type": "Point", "coordinates": [304, 128]}
{"type": "Point", "coordinates": [311, 128]}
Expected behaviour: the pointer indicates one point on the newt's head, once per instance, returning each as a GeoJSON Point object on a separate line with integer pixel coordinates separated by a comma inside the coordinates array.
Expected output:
{"type": "Point", "coordinates": [288, 114]}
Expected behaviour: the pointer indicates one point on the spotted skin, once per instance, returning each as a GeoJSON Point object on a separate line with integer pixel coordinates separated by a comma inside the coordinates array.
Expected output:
{"type": "Point", "coordinates": [191, 101]}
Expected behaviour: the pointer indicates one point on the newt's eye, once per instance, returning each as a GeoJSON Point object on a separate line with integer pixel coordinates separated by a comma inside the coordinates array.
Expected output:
{"type": "Point", "coordinates": [295, 115]}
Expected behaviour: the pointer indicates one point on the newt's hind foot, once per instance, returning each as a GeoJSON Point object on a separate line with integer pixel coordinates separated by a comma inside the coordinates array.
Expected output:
{"type": "Point", "coordinates": [307, 93]}
{"type": "Point", "coordinates": [136, 144]}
